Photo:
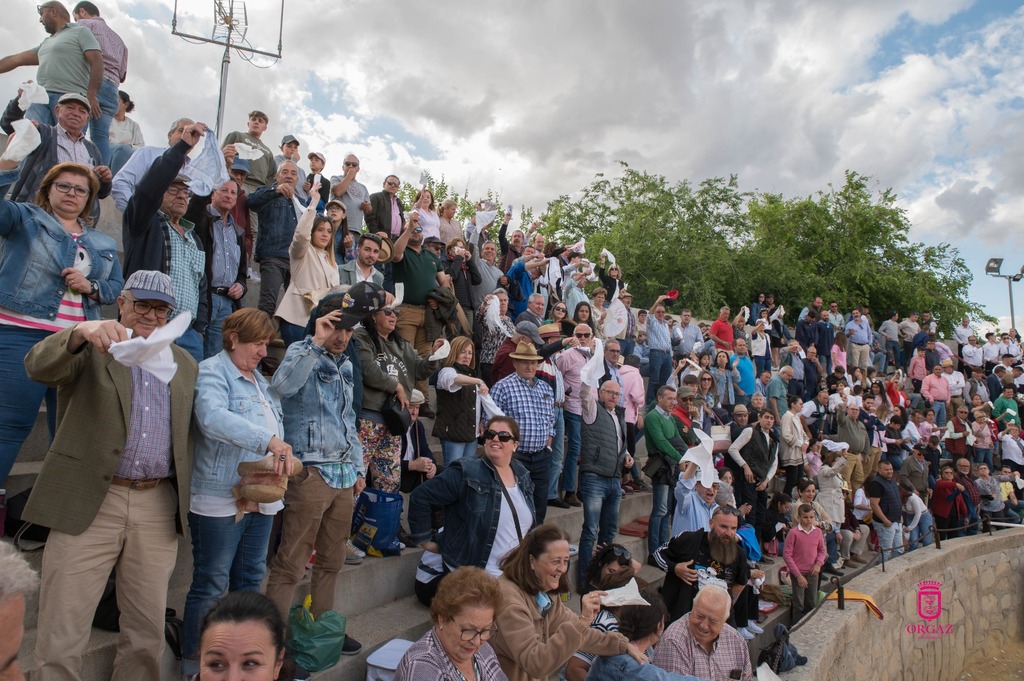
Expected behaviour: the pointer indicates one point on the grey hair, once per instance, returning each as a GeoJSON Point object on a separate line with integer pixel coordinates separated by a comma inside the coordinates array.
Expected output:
{"type": "Point", "coordinates": [499, 291]}
{"type": "Point", "coordinates": [535, 296]}
{"type": "Point", "coordinates": [713, 590]}
{"type": "Point", "coordinates": [177, 122]}
{"type": "Point", "coordinates": [17, 578]}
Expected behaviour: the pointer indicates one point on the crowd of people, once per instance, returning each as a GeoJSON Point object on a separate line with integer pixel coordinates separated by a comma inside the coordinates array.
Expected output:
{"type": "Point", "coordinates": [820, 433]}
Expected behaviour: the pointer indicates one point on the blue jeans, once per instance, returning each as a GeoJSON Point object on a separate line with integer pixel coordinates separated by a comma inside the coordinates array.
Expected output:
{"type": "Point", "coordinates": [119, 155]}
{"type": "Point", "coordinates": [573, 424]}
{"type": "Point", "coordinates": [220, 308]}
{"type": "Point", "coordinates": [600, 498]}
{"type": "Point", "coordinates": [99, 128]}
{"type": "Point", "coordinates": [291, 333]}
{"type": "Point", "coordinates": [982, 455]}
{"type": "Point", "coordinates": [557, 453]}
{"type": "Point", "coordinates": [661, 369]}
{"type": "Point", "coordinates": [831, 548]}
{"type": "Point", "coordinates": [20, 396]}
{"type": "Point", "coordinates": [45, 113]}
{"type": "Point", "coordinates": [940, 413]}
{"type": "Point", "coordinates": [453, 451]}
{"type": "Point", "coordinates": [539, 465]}
{"type": "Point", "coordinates": [922, 534]}
{"type": "Point", "coordinates": [226, 556]}
{"type": "Point", "coordinates": [762, 364]}
{"type": "Point", "coordinates": [890, 539]}
{"type": "Point", "coordinates": [657, 527]}
{"type": "Point", "coordinates": [192, 342]}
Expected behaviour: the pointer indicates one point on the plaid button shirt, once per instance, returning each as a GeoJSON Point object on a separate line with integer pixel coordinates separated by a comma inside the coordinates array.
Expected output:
{"type": "Point", "coordinates": [679, 652]}
{"type": "Point", "coordinates": [185, 264]}
{"type": "Point", "coordinates": [531, 405]}
{"type": "Point", "coordinates": [147, 453]}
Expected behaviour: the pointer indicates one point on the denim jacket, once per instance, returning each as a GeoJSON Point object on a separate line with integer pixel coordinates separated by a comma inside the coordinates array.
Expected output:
{"type": "Point", "coordinates": [316, 393]}
{"type": "Point", "coordinates": [622, 666]}
{"type": "Point", "coordinates": [277, 222]}
{"type": "Point", "coordinates": [230, 427]}
{"type": "Point", "coordinates": [469, 491]}
{"type": "Point", "coordinates": [35, 248]}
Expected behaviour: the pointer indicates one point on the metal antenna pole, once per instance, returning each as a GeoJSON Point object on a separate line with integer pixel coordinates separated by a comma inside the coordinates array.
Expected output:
{"type": "Point", "coordinates": [222, 100]}
{"type": "Point", "coordinates": [1009, 287]}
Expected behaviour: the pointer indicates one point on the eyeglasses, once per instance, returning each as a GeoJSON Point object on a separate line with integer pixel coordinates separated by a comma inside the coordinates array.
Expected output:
{"type": "Point", "coordinates": [174, 191]}
{"type": "Point", "coordinates": [142, 308]}
{"type": "Point", "coordinates": [560, 309]}
{"type": "Point", "coordinates": [469, 633]}
{"type": "Point", "coordinates": [68, 188]}
{"type": "Point", "coordinates": [391, 184]}
{"type": "Point", "coordinates": [727, 510]}
{"type": "Point", "coordinates": [503, 436]}
{"type": "Point", "coordinates": [350, 164]}
{"type": "Point", "coordinates": [615, 393]}
{"type": "Point", "coordinates": [583, 335]}
{"type": "Point", "coordinates": [706, 379]}
{"type": "Point", "coordinates": [390, 312]}
{"type": "Point", "coordinates": [613, 352]}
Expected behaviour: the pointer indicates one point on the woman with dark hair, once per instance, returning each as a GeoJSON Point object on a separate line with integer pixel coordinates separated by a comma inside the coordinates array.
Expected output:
{"type": "Point", "coordinates": [461, 267]}
{"type": "Point", "coordinates": [757, 306]}
{"type": "Point", "coordinates": [608, 560]}
{"type": "Point", "coordinates": [243, 637]}
{"type": "Point", "coordinates": [314, 272]}
{"type": "Point", "coordinates": [584, 314]}
{"type": "Point", "coordinates": [487, 502]}
{"type": "Point", "coordinates": [727, 378]}
{"type": "Point", "coordinates": [457, 647]}
{"type": "Point", "coordinates": [125, 134]}
{"type": "Point", "coordinates": [537, 634]}
{"type": "Point", "coordinates": [579, 664]}
{"type": "Point", "coordinates": [390, 365]}
{"type": "Point", "coordinates": [55, 271]}
{"type": "Point", "coordinates": [559, 316]}
{"type": "Point", "coordinates": [458, 415]}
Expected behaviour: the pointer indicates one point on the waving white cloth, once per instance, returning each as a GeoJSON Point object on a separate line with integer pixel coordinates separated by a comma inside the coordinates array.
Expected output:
{"type": "Point", "coordinates": [246, 151]}
{"type": "Point", "coordinates": [208, 170]}
{"type": "Point", "coordinates": [26, 140]}
{"type": "Point", "coordinates": [442, 352]}
{"type": "Point", "coordinates": [834, 446]}
{"type": "Point", "coordinates": [608, 254]}
{"type": "Point", "coordinates": [32, 93]}
{"type": "Point", "coordinates": [703, 455]}
{"type": "Point", "coordinates": [624, 595]}
{"type": "Point", "coordinates": [593, 370]}
{"type": "Point", "coordinates": [492, 316]}
{"type": "Point", "coordinates": [154, 353]}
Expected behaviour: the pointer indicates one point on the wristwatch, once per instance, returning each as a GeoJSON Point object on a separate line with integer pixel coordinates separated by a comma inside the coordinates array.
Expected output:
{"type": "Point", "coordinates": [94, 288]}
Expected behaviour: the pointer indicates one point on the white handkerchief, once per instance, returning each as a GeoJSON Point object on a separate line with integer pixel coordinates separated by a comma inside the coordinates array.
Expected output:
{"type": "Point", "coordinates": [491, 408]}
{"type": "Point", "coordinates": [247, 151]}
{"type": "Point", "coordinates": [624, 595]}
{"type": "Point", "coordinates": [485, 217]}
{"type": "Point", "coordinates": [608, 254]}
{"type": "Point", "coordinates": [441, 352]}
{"type": "Point", "coordinates": [593, 370]}
{"type": "Point", "coordinates": [154, 353]}
{"type": "Point", "coordinates": [26, 140]}
{"type": "Point", "coordinates": [209, 170]}
{"type": "Point", "coordinates": [32, 93]}
{"type": "Point", "coordinates": [703, 455]}
{"type": "Point", "coordinates": [834, 446]}
{"type": "Point", "coordinates": [424, 179]}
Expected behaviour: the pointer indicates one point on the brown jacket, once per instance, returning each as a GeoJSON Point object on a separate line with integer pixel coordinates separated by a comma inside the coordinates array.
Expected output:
{"type": "Point", "coordinates": [531, 647]}
{"type": "Point", "coordinates": [94, 405]}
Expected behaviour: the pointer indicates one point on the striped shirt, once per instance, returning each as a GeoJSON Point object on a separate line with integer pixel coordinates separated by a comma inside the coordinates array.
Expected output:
{"type": "Point", "coordinates": [679, 652]}
{"type": "Point", "coordinates": [115, 54]}
{"type": "Point", "coordinates": [426, 660]}
{"type": "Point", "coordinates": [531, 405]}
{"type": "Point", "coordinates": [658, 336]}
{"type": "Point", "coordinates": [70, 150]}
{"type": "Point", "coordinates": [147, 452]}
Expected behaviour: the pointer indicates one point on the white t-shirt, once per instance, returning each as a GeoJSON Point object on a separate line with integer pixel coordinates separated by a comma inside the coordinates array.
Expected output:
{"type": "Point", "coordinates": [506, 539]}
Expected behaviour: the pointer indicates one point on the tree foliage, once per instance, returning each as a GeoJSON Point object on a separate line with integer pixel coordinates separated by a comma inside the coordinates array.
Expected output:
{"type": "Point", "coordinates": [465, 205]}
{"type": "Point", "coordinates": [719, 245]}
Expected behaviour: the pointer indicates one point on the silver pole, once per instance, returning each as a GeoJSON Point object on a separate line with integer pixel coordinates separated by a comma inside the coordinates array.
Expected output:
{"type": "Point", "coordinates": [222, 100]}
{"type": "Point", "coordinates": [1009, 286]}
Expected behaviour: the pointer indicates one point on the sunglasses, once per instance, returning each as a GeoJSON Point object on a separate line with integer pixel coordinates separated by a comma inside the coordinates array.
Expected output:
{"type": "Point", "coordinates": [350, 164]}
{"type": "Point", "coordinates": [584, 335]}
{"type": "Point", "coordinates": [503, 436]}
{"type": "Point", "coordinates": [390, 312]}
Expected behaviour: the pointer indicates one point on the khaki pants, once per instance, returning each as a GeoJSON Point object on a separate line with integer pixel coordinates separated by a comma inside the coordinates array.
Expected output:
{"type": "Point", "coordinates": [134, 532]}
{"type": "Point", "coordinates": [853, 471]}
{"type": "Point", "coordinates": [410, 327]}
{"type": "Point", "coordinates": [871, 462]}
{"type": "Point", "coordinates": [314, 514]}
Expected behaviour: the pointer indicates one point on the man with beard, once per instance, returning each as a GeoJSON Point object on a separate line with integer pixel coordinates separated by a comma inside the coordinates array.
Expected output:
{"type": "Point", "coordinates": [693, 560]}
{"type": "Point", "coordinates": [362, 268]}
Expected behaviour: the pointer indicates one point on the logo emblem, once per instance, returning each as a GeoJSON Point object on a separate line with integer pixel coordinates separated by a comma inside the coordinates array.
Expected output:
{"type": "Point", "coordinates": [929, 599]}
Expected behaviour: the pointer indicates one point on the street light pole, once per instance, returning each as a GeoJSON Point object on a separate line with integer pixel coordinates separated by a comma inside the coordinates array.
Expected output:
{"type": "Point", "coordinates": [1009, 288]}
{"type": "Point", "coordinates": [992, 268]}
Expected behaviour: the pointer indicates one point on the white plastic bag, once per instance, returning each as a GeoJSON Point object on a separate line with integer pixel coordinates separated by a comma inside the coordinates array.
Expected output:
{"type": "Point", "coordinates": [32, 93]}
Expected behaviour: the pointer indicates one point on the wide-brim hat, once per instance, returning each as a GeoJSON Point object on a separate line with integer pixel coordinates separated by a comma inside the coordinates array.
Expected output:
{"type": "Point", "coordinates": [527, 351]}
{"type": "Point", "coordinates": [550, 330]}
{"type": "Point", "coordinates": [387, 250]}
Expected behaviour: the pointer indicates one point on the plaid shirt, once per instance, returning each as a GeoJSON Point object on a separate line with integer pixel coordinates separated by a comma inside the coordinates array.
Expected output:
{"type": "Point", "coordinates": [531, 405]}
{"type": "Point", "coordinates": [426, 660]}
{"type": "Point", "coordinates": [679, 652]}
{"type": "Point", "coordinates": [658, 335]}
{"type": "Point", "coordinates": [185, 264]}
{"type": "Point", "coordinates": [115, 54]}
{"type": "Point", "coordinates": [147, 452]}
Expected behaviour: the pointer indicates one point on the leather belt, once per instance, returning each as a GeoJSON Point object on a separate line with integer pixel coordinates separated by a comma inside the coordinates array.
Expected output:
{"type": "Point", "coordinates": [221, 290]}
{"type": "Point", "coordinates": [136, 484]}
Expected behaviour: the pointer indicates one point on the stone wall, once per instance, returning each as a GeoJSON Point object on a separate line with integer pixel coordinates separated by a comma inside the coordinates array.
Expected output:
{"type": "Point", "coordinates": [981, 600]}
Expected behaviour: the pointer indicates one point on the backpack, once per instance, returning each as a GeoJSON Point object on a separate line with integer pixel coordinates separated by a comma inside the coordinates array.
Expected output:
{"type": "Point", "coordinates": [781, 656]}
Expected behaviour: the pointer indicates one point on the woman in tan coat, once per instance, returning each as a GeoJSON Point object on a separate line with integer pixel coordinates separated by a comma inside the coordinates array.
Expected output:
{"type": "Point", "coordinates": [314, 273]}
{"type": "Point", "coordinates": [537, 633]}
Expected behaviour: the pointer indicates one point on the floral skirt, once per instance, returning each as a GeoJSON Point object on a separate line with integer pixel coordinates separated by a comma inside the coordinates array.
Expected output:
{"type": "Point", "coordinates": [382, 456]}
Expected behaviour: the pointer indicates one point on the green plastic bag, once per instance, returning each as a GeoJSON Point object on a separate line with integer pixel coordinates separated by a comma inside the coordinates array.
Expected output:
{"type": "Point", "coordinates": [316, 643]}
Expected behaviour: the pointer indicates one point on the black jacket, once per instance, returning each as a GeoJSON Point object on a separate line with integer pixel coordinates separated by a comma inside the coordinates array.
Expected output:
{"type": "Point", "coordinates": [379, 219]}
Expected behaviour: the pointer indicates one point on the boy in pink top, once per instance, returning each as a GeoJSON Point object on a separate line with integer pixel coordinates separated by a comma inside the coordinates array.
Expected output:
{"type": "Point", "coordinates": [804, 554]}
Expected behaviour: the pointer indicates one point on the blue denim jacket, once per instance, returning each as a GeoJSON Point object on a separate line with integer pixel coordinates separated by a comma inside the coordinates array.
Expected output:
{"type": "Point", "coordinates": [230, 427]}
{"type": "Point", "coordinates": [469, 491]}
{"type": "Point", "coordinates": [277, 222]}
{"type": "Point", "coordinates": [622, 666]}
{"type": "Point", "coordinates": [35, 248]}
{"type": "Point", "coordinates": [316, 393]}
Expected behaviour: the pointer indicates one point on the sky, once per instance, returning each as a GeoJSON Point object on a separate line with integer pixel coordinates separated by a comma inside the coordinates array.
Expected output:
{"type": "Point", "coordinates": [533, 99]}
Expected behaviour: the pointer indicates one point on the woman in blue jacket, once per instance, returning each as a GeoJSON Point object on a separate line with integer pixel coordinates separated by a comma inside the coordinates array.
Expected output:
{"type": "Point", "coordinates": [55, 271]}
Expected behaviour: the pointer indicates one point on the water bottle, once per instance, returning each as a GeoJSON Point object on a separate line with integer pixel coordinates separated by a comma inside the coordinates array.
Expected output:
{"type": "Point", "coordinates": [3, 510]}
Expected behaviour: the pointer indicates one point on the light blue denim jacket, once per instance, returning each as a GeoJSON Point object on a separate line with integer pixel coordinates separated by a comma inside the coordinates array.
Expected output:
{"type": "Point", "coordinates": [36, 248]}
{"type": "Point", "coordinates": [316, 393]}
{"type": "Point", "coordinates": [230, 427]}
{"type": "Point", "coordinates": [622, 667]}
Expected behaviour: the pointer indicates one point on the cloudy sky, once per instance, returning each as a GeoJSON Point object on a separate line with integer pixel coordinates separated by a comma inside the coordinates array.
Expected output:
{"type": "Point", "coordinates": [533, 98]}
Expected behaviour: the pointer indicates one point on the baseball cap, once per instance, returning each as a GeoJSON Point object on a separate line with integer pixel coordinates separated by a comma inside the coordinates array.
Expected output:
{"type": "Point", "coordinates": [240, 164]}
{"type": "Point", "coordinates": [74, 97]}
{"type": "Point", "coordinates": [151, 285]}
{"type": "Point", "coordinates": [288, 139]}
{"type": "Point", "coordinates": [323, 159]}
{"type": "Point", "coordinates": [529, 329]}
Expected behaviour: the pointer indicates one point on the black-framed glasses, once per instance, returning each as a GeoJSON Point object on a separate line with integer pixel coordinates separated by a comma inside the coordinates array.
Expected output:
{"type": "Point", "coordinates": [142, 308]}
{"type": "Point", "coordinates": [728, 510]}
{"type": "Point", "coordinates": [392, 184]}
{"type": "Point", "coordinates": [68, 188]}
{"type": "Point", "coordinates": [621, 552]}
{"type": "Point", "coordinates": [614, 393]}
{"type": "Point", "coordinates": [174, 191]}
{"type": "Point", "coordinates": [503, 436]}
{"type": "Point", "coordinates": [390, 312]}
{"type": "Point", "coordinates": [351, 164]}
{"type": "Point", "coordinates": [467, 634]}
{"type": "Point", "coordinates": [583, 335]}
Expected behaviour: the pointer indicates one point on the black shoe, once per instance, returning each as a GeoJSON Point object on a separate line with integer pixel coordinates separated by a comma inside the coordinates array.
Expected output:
{"type": "Point", "coordinates": [829, 570]}
{"type": "Point", "coordinates": [426, 412]}
{"type": "Point", "coordinates": [571, 499]}
{"type": "Point", "coordinates": [558, 503]}
{"type": "Point", "coordinates": [351, 646]}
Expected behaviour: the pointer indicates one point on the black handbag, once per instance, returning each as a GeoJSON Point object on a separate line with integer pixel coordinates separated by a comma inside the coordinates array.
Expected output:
{"type": "Point", "coordinates": [396, 417]}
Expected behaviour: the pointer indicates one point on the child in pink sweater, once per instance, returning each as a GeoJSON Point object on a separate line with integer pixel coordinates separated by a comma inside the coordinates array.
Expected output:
{"type": "Point", "coordinates": [804, 554]}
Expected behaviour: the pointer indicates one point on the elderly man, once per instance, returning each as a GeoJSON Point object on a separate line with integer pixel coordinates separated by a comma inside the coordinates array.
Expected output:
{"type": "Point", "coordinates": [362, 267]}
{"type": "Point", "coordinates": [858, 332]}
{"type": "Point", "coordinates": [315, 381]}
{"type": "Point", "coordinates": [69, 60]}
{"type": "Point", "coordinates": [530, 401]}
{"type": "Point", "coordinates": [18, 582]}
{"type": "Point", "coordinates": [534, 312]}
{"type": "Point", "coordinates": [701, 644]}
{"type": "Point", "coordinates": [275, 212]}
{"type": "Point", "coordinates": [156, 237]}
{"type": "Point", "coordinates": [721, 331]}
{"type": "Point", "coordinates": [570, 362]}
{"type": "Point", "coordinates": [777, 390]}
{"type": "Point", "coordinates": [124, 183]}
{"type": "Point", "coordinates": [353, 194]}
{"type": "Point", "coordinates": [525, 272]}
{"type": "Point", "coordinates": [61, 143]}
{"type": "Point", "coordinates": [117, 501]}
{"type": "Point", "coordinates": [659, 347]}
{"type": "Point", "coordinates": [957, 383]}
{"type": "Point", "coordinates": [602, 458]}
{"type": "Point", "coordinates": [695, 503]}
{"type": "Point", "coordinates": [687, 338]}
{"type": "Point", "coordinates": [854, 432]}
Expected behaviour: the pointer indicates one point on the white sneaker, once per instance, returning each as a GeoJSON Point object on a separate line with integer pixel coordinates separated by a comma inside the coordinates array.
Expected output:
{"type": "Point", "coordinates": [253, 276]}
{"type": "Point", "coordinates": [745, 634]}
{"type": "Point", "coordinates": [753, 628]}
{"type": "Point", "coordinates": [353, 550]}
